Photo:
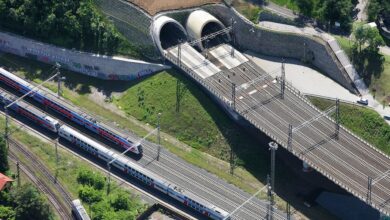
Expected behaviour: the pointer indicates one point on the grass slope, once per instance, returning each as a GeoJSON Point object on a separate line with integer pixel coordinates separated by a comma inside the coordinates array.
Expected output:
{"type": "Point", "coordinates": [380, 80]}
{"type": "Point", "coordinates": [364, 122]}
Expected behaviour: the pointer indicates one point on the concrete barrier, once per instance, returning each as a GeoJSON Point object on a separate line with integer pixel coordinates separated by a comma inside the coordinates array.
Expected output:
{"type": "Point", "coordinates": [99, 66]}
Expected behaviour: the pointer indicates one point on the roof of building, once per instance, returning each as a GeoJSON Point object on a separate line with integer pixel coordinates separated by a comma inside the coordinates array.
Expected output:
{"type": "Point", "coordinates": [4, 180]}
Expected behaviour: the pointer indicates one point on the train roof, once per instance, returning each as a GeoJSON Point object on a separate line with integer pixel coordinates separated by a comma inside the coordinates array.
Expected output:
{"type": "Point", "coordinates": [80, 209]}
{"type": "Point", "coordinates": [14, 77]}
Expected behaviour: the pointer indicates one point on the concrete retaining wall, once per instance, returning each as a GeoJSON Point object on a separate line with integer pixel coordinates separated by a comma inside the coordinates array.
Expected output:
{"type": "Point", "coordinates": [310, 49]}
{"type": "Point", "coordinates": [104, 67]}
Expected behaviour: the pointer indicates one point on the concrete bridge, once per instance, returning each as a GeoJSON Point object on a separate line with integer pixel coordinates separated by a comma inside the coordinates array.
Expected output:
{"type": "Point", "coordinates": [276, 108]}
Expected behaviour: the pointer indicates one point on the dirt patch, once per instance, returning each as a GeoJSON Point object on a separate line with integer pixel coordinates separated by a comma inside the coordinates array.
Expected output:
{"type": "Point", "coordinates": [154, 6]}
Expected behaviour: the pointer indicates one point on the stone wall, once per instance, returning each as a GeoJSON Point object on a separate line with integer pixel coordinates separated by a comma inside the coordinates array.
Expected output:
{"type": "Point", "coordinates": [100, 66]}
{"type": "Point", "coordinates": [310, 49]}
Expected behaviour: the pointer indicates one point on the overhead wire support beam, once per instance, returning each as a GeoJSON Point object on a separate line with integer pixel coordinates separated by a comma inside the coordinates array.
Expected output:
{"type": "Point", "coordinates": [283, 81]}
{"type": "Point", "coordinates": [240, 206]}
{"type": "Point", "coordinates": [210, 36]}
{"type": "Point", "coordinates": [337, 126]}
{"type": "Point", "coordinates": [315, 118]}
{"type": "Point", "coordinates": [35, 89]}
{"type": "Point", "coordinates": [289, 140]}
{"type": "Point", "coordinates": [234, 96]}
{"type": "Point", "coordinates": [369, 189]}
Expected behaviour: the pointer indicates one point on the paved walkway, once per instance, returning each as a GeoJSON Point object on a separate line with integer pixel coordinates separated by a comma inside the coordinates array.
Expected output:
{"type": "Point", "coordinates": [310, 81]}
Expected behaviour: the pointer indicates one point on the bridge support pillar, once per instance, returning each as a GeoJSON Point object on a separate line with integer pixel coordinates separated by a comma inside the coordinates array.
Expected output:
{"type": "Point", "coordinates": [289, 141]}
{"type": "Point", "coordinates": [306, 167]}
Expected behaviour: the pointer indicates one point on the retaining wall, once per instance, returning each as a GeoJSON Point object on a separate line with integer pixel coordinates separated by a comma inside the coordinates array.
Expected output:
{"type": "Point", "coordinates": [100, 66]}
{"type": "Point", "coordinates": [310, 49]}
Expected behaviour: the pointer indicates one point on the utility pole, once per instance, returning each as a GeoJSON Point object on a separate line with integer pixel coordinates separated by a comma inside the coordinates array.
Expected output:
{"type": "Point", "coordinates": [179, 54]}
{"type": "Point", "coordinates": [288, 209]}
{"type": "Point", "coordinates": [59, 80]}
{"type": "Point", "coordinates": [233, 38]}
{"type": "Point", "coordinates": [158, 136]}
{"type": "Point", "coordinates": [18, 172]}
{"type": "Point", "coordinates": [337, 128]}
{"type": "Point", "coordinates": [289, 142]}
{"type": "Point", "coordinates": [232, 165]}
{"type": "Point", "coordinates": [369, 189]}
{"type": "Point", "coordinates": [271, 180]}
{"type": "Point", "coordinates": [283, 81]}
{"type": "Point", "coordinates": [56, 147]}
{"type": "Point", "coordinates": [304, 52]}
{"type": "Point", "coordinates": [270, 199]}
{"type": "Point", "coordinates": [6, 130]}
{"type": "Point", "coordinates": [234, 96]}
{"type": "Point", "coordinates": [108, 178]}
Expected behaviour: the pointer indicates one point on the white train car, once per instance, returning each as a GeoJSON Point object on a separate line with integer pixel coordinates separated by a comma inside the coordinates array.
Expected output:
{"type": "Point", "coordinates": [78, 210]}
{"type": "Point", "coordinates": [138, 172]}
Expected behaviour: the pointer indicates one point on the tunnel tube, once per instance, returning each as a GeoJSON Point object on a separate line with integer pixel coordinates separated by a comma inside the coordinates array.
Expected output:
{"type": "Point", "coordinates": [167, 32]}
{"type": "Point", "coordinates": [201, 23]}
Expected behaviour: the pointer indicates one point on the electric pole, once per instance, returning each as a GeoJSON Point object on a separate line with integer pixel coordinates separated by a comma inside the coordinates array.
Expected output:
{"type": "Point", "coordinates": [158, 136]}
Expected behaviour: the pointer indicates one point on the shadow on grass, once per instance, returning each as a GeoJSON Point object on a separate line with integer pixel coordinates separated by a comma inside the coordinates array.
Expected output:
{"type": "Point", "coordinates": [369, 64]}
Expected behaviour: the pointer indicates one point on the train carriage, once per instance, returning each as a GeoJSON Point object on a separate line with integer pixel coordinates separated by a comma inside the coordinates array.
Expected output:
{"type": "Point", "coordinates": [143, 175]}
{"type": "Point", "coordinates": [47, 98]}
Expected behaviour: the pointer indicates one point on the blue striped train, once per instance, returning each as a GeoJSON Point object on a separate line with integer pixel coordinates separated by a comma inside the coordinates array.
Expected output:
{"type": "Point", "coordinates": [122, 163]}
{"type": "Point", "coordinates": [29, 112]}
{"type": "Point", "coordinates": [136, 171]}
{"type": "Point", "coordinates": [71, 112]}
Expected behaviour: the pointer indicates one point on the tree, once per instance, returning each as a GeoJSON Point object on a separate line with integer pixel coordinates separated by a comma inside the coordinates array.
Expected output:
{"type": "Point", "coordinates": [30, 204]}
{"type": "Point", "coordinates": [305, 6]}
{"type": "Point", "coordinates": [121, 202]}
{"type": "Point", "coordinates": [337, 11]}
{"type": "Point", "coordinates": [368, 36]}
{"type": "Point", "coordinates": [6, 213]}
{"type": "Point", "coordinates": [3, 156]}
{"type": "Point", "coordinates": [377, 7]}
{"type": "Point", "coordinates": [89, 195]}
{"type": "Point", "coordinates": [87, 177]}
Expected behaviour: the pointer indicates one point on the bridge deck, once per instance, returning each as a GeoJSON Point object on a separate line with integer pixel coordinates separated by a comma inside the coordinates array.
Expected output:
{"type": "Point", "coordinates": [348, 161]}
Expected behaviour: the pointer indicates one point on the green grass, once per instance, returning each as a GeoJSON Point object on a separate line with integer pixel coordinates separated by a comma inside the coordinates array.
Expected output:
{"type": "Point", "coordinates": [290, 4]}
{"type": "Point", "coordinates": [250, 10]}
{"type": "Point", "coordinates": [364, 122]}
{"type": "Point", "coordinates": [379, 80]}
{"type": "Point", "coordinates": [69, 166]}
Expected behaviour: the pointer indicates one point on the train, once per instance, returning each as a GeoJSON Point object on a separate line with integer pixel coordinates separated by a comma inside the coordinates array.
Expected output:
{"type": "Point", "coordinates": [138, 172]}
{"type": "Point", "coordinates": [29, 112]}
{"type": "Point", "coordinates": [48, 99]}
{"type": "Point", "coordinates": [99, 151]}
{"type": "Point", "coordinates": [78, 211]}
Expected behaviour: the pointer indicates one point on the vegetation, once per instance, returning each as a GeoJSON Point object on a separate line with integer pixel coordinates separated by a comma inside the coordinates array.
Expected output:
{"type": "Point", "coordinates": [3, 156]}
{"type": "Point", "coordinates": [290, 4]}
{"type": "Point", "coordinates": [79, 177]}
{"type": "Point", "coordinates": [364, 122]}
{"type": "Point", "coordinates": [70, 23]}
{"type": "Point", "coordinates": [378, 7]}
{"type": "Point", "coordinates": [373, 66]}
{"type": "Point", "coordinates": [24, 203]}
{"type": "Point", "coordinates": [248, 9]}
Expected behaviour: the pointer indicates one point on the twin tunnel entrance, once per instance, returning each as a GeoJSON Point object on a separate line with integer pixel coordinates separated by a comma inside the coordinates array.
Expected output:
{"type": "Point", "coordinates": [168, 32]}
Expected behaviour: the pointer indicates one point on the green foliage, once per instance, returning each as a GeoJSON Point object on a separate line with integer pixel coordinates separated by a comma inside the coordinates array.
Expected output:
{"type": "Point", "coordinates": [90, 195]}
{"type": "Point", "coordinates": [3, 156]}
{"type": "Point", "coordinates": [377, 7]}
{"type": "Point", "coordinates": [30, 204]}
{"type": "Point", "coordinates": [328, 11]}
{"type": "Point", "coordinates": [249, 10]}
{"type": "Point", "coordinates": [7, 213]}
{"type": "Point", "coordinates": [69, 23]}
{"type": "Point", "coordinates": [90, 178]}
{"type": "Point", "coordinates": [121, 202]}
{"type": "Point", "coordinates": [366, 35]}
{"type": "Point", "coordinates": [364, 122]}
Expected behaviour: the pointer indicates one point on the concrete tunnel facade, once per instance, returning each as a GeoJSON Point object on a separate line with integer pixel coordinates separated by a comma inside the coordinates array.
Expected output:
{"type": "Point", "coordinates": [167, 32]}
{"type": "Point", "coordinates": [201, 23]}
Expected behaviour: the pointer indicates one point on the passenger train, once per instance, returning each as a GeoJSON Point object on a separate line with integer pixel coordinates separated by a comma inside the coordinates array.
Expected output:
{"type": "Point", "coordinates": [29, 112]}
{"type": "Point", "coordinates": [48, 99]}
{"type": "Point", "coordinates": [78, 210]}
{"type": "Point", "coordinates": [134, 170]}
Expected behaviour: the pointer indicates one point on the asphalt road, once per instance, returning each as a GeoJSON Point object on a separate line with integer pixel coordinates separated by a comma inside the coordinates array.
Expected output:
{"type": "Point", "coordinates": [348, 161]}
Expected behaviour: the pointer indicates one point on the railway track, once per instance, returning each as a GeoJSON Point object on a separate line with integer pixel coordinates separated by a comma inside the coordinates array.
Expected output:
{"type": "Point", "coordinates": [63, 206]}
